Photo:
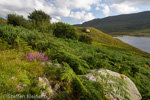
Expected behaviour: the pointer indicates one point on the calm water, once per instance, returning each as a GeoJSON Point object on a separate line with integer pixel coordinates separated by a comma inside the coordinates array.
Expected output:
{"type": "Point", "coordinates": [142, 43]}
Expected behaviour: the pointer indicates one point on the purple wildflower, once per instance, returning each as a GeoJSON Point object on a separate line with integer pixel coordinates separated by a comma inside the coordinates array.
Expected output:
{"type": "Point", "coordinates": [37, 56]}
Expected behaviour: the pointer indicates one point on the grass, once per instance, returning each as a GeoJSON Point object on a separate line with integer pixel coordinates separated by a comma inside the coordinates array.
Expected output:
{"type": "Point", "coordinates": [16, 71]}
{"type": "Point", "coordinates": [102, 39]}
{"type": "Point", "coordinates": [2, 20]}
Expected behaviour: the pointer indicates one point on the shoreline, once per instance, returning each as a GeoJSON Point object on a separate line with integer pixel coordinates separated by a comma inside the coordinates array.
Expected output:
{"type": "Point", "coordinates": [128, 36]}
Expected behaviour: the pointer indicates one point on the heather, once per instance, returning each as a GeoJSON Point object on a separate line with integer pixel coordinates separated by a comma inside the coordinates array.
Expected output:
{"type": "Point", "coordinates": [36, 56]}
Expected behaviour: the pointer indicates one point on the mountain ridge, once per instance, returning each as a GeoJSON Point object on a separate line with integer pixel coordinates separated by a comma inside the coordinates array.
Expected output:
{"type": "Point", "coordinates": [121, 23]}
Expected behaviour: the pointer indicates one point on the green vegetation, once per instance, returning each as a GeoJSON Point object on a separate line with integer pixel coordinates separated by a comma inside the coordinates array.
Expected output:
{"type": "Point", "coordinates": [86, 39]}
{"type": "Point", "coordinates": [10, 33]}
{"type": "Point", "coordinates": [21, 65]}
{"type": "Point", "coordinates": [40, 21]}
{"type": "Point", "coordinates": [39, 16]}
{"type": "Point", "coordinates": [101, 39]}
{"type": "Point", "coordinates": [2, 20]}
{"type": "Point", "coordinates": [63, 30]}
{"type": "Point", "coordinates": [127, 24]}
{"type": "Point", "coordinates": [17, 20]}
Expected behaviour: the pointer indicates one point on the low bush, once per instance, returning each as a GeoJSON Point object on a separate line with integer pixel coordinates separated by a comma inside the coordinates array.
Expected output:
{"type": "Point", "coordinates": [86, 39]}
{"type": "Point", "coordinates": [10, 33]}
{"type": "Point", "coordinates": [63, 30]}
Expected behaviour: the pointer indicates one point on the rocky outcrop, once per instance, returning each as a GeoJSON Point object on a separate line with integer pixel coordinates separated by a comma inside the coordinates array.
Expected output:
{"type": "Point", "coordinates": [48, 93]}
{"type": "Point", "coordinates": [44, 83]}
{"type": "Point", "coordinates": [117, 82]}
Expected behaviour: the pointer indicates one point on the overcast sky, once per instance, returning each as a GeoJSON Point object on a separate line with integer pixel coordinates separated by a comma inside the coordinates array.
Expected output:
{"type": "Point", "coordinates": [73, 11]}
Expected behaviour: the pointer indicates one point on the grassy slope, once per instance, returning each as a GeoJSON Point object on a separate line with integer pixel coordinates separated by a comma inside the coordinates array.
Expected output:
{"type": "Point", "coordinates": [2, 20]}
{"type": "Point", "coordinates": [102, 39]}
{"type": "Point", "coordinates": [80, 56]}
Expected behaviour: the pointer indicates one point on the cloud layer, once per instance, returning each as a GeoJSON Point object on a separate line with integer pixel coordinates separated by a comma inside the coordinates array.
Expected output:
{"type": "Point", "coordinates": [77, 9]}
{"type": "Point", "coordinates": [123, 8]}
{"type": "Point", "coordinates": [55, 8]}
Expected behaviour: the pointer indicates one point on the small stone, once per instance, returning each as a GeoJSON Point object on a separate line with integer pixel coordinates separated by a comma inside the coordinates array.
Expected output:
{"type": "Point", "coordinates": [43, 81]}
{"type": "Point", "coordinates": [12, 78]}
{"type": "Point", "coordinates": [57, 86]}
{"type": "Point", "coordinates": [87, 30]}
{"type": "Point", "coordinates": [19, 87]}
{"type": "Point", "coordinates": [24, 85]}
{"type": "Point", "coordinates": [17, 59]}
{"type": "Point", "coordinates": [50, 91]}
{"type": "Point", "coordinates": [57, 65]}
{"type": "Point", "coordinates": [43, 63]}
{"type": "Point", "coordinates": [43, 94]}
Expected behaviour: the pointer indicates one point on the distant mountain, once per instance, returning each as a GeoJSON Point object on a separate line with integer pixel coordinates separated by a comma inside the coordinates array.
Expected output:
{"type": "Point", "coordinates": [137, 23]}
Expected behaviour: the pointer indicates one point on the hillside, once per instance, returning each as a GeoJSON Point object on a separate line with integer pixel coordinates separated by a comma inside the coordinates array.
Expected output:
{"type": "Point", "coordinates": [27, 56]}
{"type": "Point", "coordinates": [101, 39]}
{"type": "Point", "coordinates": [2, 20]}
{"type": "Point", "coordinates": [126, 24]}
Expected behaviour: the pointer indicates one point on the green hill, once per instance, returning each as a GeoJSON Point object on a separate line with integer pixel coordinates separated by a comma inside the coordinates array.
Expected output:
{"type": "Point", "coordinates": [2, 20]}
{"type": "Point", "coordinates": [127, 24]}
{"type": "Point", "coordinates": [101, 39]}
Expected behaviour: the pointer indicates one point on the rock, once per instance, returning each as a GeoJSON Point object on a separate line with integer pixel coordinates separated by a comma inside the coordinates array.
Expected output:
{"type": "Point", "coordinates": [43, 94]}
{"type": "Point", "coordinates": [57, 86]}
{"type": "Point", "coordinates": [12, 78]}
{"type": "Point", "coordinates": [24, 85]}
{"type": "Point", "coordinates": [19, 87]}
{"type": "Point", "coordinates": [57, 65]}
{"type": "Point", "coordinates": [44, 63]}
{"type": "Point", "coordinates": [87, 30]}
{"type": "Point", "coordinates": [18, 59]}
{"type": "Point", "coordinates": [48, 93]}
{"type": "Point", "coordinates": [129, 86]}
{"type": "Point", "coordinates": [53, 64]}
{"type": "Point", "coordinates": [43, 82]}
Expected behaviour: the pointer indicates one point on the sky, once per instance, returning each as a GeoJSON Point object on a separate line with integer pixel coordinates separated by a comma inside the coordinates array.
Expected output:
{"type": "Point", "coordinates": [73, 11]}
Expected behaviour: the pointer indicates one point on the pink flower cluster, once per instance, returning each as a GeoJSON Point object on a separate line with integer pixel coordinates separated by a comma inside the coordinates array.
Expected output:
{"type": "Point", "coordinates": [37, 56]}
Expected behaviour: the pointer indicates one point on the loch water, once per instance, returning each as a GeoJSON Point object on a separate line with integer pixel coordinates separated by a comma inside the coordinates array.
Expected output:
{"type": "Point", "coordinates": [142, 43]}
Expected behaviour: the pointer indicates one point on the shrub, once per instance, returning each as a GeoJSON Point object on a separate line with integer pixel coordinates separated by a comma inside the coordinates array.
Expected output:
{"type": "Point", "coordinates": [86, 39]}
{"type": "Point", "coordinates": [39, 16]}
{"type": "Point", "coordinates": [40, 21]}
{"type": "Point", "coordinates": [17, 20]}
{"type": "Point", "coordinates": [63, 30]}
{"type": "Point", "coordinates": [10, 33]}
